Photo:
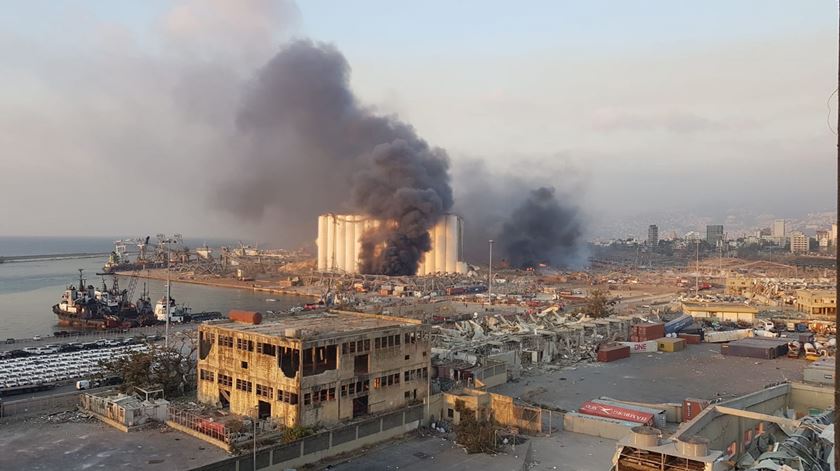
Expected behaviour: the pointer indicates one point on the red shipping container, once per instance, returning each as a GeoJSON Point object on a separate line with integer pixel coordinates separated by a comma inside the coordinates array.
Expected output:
{"type": "Point", "coordinates": [613, 352]}
{"type": "Point", "coordinates": [693, 407]}
{"type": "Point", "coordinates": [613, 412]}
{"type": "Point", "coordinates": [690, 338]}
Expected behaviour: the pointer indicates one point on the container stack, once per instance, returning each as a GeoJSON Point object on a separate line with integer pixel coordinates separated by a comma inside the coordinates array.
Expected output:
{"type": "Point", "coordinates": [645, 332]}
{"type": "Point", "coordinates": [608, 353]}
{"type": "Point", "coordinates": [756, 347]}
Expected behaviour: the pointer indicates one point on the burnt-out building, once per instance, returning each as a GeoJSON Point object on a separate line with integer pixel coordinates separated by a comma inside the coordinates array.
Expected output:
{"type": "Point", "coordinates": [314, 368]}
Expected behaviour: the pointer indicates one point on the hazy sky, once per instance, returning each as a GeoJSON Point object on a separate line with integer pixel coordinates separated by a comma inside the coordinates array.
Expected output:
{"type": "Point", "coordinates": [113, 114]}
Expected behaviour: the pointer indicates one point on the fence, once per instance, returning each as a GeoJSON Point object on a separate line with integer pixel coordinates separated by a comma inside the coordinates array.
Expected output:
{"type": "Point", "coordinates": [325, 444]}
{"type": "Point", "coordinates": [39, 405]}
{"type": "Point", "coordinates": [215, 430]}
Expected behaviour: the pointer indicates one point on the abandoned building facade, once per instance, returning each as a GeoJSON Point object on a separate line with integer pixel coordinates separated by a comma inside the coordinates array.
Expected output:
{"type": "Point", "coordinates": [314, 368]}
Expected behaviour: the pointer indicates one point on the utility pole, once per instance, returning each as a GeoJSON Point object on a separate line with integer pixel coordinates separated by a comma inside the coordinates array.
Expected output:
{"type": "Point", "coordinates": [837, 266]}
{"type": "Point", "coordinates": [166, 241]}
{"type": "Point", "coordinates": [490, 276]}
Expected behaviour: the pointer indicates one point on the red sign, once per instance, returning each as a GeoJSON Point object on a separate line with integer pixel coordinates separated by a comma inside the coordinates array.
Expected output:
{"type": "Point", "coordinates": [613, 412]}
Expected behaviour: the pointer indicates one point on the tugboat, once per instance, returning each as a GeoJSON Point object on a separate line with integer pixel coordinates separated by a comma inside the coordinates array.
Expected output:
{"type": "Point", "coordinates": [182, 313]}
{"type": "Point", "coordinates": [86, 307]}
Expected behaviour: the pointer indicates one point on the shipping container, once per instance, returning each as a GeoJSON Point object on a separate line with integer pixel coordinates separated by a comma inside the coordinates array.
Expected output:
{"type": "Point", "coordinates": [641, 347]}
{"type": "Point", "coordinates": [667, 344]}
{"type": "Point", "coordinates": [678, 324]}
{"type": "Point", "coordinates": [765, 348]}
{"type": "Point", "coordinates": [613, 412]}
{"type": "Point", "coordinates": [608, 353]}
{"type": "Point", "coordinates": [647, 332]}
{"type": "Point", "coordinates": [692, 407]}
{"type": "Point", "coordinates": [727, 335]}
{"type": "Point", "coordinates": [659, 417]}
{"type": "Point", "coordinates": [690, 339]}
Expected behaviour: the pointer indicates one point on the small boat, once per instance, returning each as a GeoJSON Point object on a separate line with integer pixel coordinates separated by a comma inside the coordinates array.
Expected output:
{"type": "Point", "coordinates": [271, 300]}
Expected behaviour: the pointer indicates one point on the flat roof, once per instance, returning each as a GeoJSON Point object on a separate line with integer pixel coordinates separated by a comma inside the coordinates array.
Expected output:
{"type": "Point", "coordinates": [717, 307]}
{"type": "Point", "coordinates": [314, 325]}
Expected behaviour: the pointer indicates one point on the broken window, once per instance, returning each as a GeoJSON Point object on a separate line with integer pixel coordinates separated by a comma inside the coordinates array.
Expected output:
{"type": "Point", "coordinates": [206, 375]}
{"type": "Point", "coordinates": [205, 344]}
{"type": "Point", "coordinates": [225, 380]}
{"type": "Point", "coordinates": [288, 361]}
{"type": "Point", "coordinates": [226, 341]}
{"type": "Point", "coordinates": [243, 344]}
{"type": "Point", "coordinates": [264, 391]}
{"type": "Point", "coordinates": [317, 360]}
{"type": "Point", "coordinates": [243, 385]}
{"type": "Point", "coordinates": [307, 399]}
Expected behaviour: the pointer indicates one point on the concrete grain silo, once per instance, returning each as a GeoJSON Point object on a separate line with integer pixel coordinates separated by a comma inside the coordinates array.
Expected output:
{"type": "Point", "coordinates": [340, 244]}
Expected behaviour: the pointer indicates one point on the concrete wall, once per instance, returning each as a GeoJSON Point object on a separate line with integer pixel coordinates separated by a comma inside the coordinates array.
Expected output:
{"type": "Point", "coordinates": [326, 444]}
{"type": "Point", "coordinates": [596, 426]}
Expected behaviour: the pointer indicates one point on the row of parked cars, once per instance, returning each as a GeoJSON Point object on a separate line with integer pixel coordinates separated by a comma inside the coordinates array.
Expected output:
{"type": "Point", "coordinates": [50, 367]}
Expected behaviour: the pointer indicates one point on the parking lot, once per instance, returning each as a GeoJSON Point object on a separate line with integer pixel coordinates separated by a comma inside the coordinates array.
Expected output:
{"type": "Point", "coordinates": [46, 365]}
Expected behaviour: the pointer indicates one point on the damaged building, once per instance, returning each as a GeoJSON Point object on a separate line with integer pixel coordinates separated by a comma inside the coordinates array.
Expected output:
{"type": "Point", "coordinates": [314, 368]}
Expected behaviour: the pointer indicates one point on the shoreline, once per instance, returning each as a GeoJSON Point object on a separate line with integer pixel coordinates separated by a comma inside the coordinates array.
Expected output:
{"type": "Point", "coordinates": [160, 274]}
{"type": "Point", "coordinates": [47, 257]}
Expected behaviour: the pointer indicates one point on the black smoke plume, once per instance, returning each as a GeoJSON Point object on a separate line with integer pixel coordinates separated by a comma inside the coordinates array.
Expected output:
{"type": "Point", "coordinates": [529, 226]}
{"type": "Point", "coordinates": [541, 230]}
{"type": "Point", "coordinates": [310, 147]}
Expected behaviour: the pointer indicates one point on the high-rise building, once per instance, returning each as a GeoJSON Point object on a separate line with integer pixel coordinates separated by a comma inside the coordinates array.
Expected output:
{"type": "Point", "coordinates": [714, 234]}
{"type": "Point", "coordinates": [833, 239]}
{"type": "Point", "coordinates": [799, 242]}
{"type": "Point", "coordinates": [779, 229]}
{"type": "Point", "coordinates": [653, 235]}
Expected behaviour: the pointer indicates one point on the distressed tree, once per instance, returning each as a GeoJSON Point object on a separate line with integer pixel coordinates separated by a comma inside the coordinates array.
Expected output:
{"type": "Point", "coordinates": [475, 434]}
{"type": "Point", "coordinates": [597, 305]}
{"type": "Point", "coordinates": [171, 368]}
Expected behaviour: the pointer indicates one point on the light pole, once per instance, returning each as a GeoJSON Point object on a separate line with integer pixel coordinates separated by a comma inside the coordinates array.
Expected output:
{"type": "Point", "coordinates": [162, 239]}
{"type": "Point", "coordinates": [490, 276]}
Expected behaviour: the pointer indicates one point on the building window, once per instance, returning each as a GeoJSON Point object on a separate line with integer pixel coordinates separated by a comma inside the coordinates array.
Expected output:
{"type": "Point", "coordinates": [225, 380]}
{"type": "Point", "coordinates": [206, 375]}
{"type": "Point", "coordinates": [377, 343]}
{"type": "Point", "coordinates": [244, 344]}
{"type": "Point", "coordinates": [406, 376]}
{"type": "Point", "coordinates": [264, 391]}
{"type": "Point", "coordinates": [225, 341]}
{"type": "Point", "coordinates": [407, 395]}
{"type": "Point", "coordinates": [244, 365]}
{"type": "Point", "coordinates": [267, 349]}
{"type": "Point", "coordinates": [243, 385]}
{"type": "Point", "coordinates": [407, 357]}
{"type": "Point", "coordinates": [307, 399]}
{"type": "Point", "coordinates": [450, 413]}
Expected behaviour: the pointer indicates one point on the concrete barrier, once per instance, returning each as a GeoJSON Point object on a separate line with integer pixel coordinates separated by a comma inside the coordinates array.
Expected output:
{"type": "Point", "coordinates": [596, 426]}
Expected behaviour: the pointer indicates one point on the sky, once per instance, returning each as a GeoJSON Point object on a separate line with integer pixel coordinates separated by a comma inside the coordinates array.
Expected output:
{"type": "Point", "coordinates": [116, 117]}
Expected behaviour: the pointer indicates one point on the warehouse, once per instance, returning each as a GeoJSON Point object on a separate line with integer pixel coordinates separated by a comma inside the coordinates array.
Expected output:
{"type": "Point", "coordinates": [340, 241]}
{"type": "Point", "coordinates": [721, 311]}
{"type": "Point", "coordinates": [313, 368]}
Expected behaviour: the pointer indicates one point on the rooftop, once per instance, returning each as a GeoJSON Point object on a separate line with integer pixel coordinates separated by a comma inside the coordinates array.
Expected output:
{"type": "Point", "coordinates": [313, 325]}
{"type": "Point", "coordinates": [728, 307]}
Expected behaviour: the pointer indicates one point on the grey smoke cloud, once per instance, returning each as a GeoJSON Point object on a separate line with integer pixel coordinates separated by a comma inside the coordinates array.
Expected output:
{"type": "Point", "coordinates": [309, 146]}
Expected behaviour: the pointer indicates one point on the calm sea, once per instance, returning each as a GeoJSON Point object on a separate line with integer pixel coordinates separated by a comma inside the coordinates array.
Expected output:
{"type": "Point", "coordinates": [28, 289]}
